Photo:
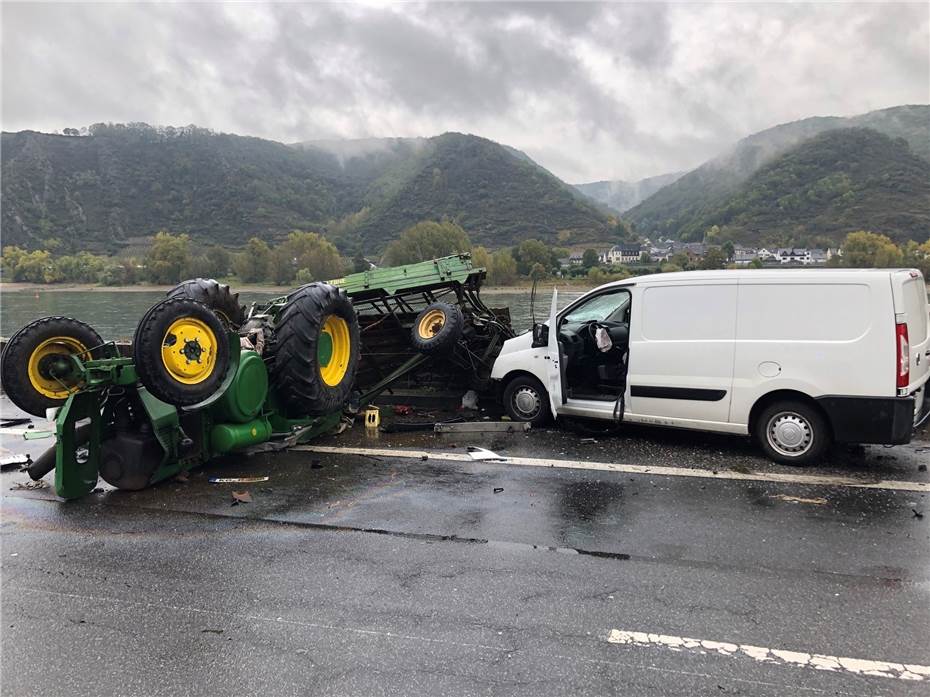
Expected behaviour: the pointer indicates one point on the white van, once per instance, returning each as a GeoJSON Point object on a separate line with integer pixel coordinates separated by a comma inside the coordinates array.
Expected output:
{"type": "Point", "coordinates": [797, 358]}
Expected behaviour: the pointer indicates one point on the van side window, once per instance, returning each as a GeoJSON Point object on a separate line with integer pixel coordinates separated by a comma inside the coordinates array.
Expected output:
{"type": "Point", "coordinates": [689, 313]}
{"type": "Point", "coordinates": [608, 307]}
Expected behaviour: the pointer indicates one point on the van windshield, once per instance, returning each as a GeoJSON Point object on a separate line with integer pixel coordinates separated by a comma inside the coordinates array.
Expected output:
{"type": "Point", "coordinates": [601, 308]}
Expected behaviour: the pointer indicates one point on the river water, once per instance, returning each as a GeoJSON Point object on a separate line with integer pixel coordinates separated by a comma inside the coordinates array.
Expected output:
{"type": "Point", "coordinates": [114, 314]}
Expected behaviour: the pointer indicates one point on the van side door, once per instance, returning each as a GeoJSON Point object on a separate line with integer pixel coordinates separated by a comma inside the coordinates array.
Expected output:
{"type": "Point", "coordinates": [681, 353]}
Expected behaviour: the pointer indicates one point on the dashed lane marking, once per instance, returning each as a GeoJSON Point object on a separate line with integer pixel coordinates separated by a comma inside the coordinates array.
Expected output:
{"type": "Point", "coordinates": [801, 659]}
{"type": "Point", "coordinates": [658, 470]}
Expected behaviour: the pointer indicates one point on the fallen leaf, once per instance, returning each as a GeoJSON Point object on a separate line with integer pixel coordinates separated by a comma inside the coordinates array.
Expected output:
{"type": "Point", "coordinates": [241, 497]}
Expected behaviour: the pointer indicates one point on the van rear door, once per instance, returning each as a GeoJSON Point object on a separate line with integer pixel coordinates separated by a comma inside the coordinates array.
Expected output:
{"type": "Point", "coordinates": [911, 309]}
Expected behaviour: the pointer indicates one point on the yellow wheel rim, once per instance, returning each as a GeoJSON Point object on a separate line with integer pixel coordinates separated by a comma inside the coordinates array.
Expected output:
{"type": "Point", "coordinates": [431, 324]}
{"type": "Point", "coordinates": [188, 350]}
{"type": "Point", "coordinates": [48, 356]}
{"type": "Point", "coordinates": [334, 350]}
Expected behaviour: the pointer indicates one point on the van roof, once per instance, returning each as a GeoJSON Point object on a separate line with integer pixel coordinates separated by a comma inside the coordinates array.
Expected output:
{"type": "Point", "coordinates": [739, 274]}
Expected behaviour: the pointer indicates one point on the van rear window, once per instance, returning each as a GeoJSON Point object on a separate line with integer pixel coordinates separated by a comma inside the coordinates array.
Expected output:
{"type": "Point", "coordinates": [803, 312]}
{"type": "Point", "coordinates": [915, 305]}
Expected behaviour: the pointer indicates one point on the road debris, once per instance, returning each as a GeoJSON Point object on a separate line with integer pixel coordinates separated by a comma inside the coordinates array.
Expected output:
{"type": "Point", "coordinates": [481, 427]}
{"type": "Point", "coordinates": [498, 489]}
{"type": "Point", "coordinates": [818, 501]}
{"type": "Point", "coordinates": [30, 485]}
{"type": "Point", "coordinates": [238, 480]}
{"type": "Point", "coordinates": [470, 400]}
{"type": "Point", "coordinates": [917, 514]}
{"type": "Point", "coordinates": [241, 497]}
{"type": "Point", "coordinates": [15, 461]}
{"type": "Point", "coordinates": [476, 453]}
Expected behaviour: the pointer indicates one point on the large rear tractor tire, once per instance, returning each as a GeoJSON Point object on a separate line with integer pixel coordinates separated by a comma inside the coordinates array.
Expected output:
{"type": "Point", "coordinates": [36, 370]}
{"type": "Point", "coordinates": [314, 351]}
{"type": "Point", "coordinates": [180, 351]}
{"type": "Point", "coordinates": [215, 295]}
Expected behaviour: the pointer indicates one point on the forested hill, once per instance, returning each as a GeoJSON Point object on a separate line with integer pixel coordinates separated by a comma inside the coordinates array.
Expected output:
{"type": "Point", "coordinates": [717, 192]}
{"type": "Point", "coordinates": [837, 182]}
{"type": "Point", "coordinates": [119, 184]}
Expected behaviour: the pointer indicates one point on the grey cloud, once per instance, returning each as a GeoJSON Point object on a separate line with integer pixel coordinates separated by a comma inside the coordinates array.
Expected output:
{"type": "Point", "coordinates": [590, 90]}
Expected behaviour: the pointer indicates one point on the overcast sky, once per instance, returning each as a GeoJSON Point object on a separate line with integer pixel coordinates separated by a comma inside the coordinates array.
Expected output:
{"type": "Point", "coordinates": [590, 91]}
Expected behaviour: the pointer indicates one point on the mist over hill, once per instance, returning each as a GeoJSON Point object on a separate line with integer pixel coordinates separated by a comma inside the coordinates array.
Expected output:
{"type": "Point", "coordinates": [621, 195]}
{"type": "Point", "coordinates": [716, 192]}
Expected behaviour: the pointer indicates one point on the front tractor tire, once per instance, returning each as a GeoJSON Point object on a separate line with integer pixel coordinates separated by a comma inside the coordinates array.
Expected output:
{"type": "Point", "coordinates": [36, 369]}
{"type": "Point", "coordinates": [215, 295]}
{"type": "Point", "coordinates": [526, 400]}
{"type": "Point", "coordinates": [181, 352]}
{"type": "Point", "coordinates": [793, 432]}
{"type": "Point", "coordinates": [314, 351]}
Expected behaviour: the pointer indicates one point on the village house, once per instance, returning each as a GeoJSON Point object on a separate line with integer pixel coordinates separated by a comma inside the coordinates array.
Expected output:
{"type": "Point", "coordinates": [622, 254]}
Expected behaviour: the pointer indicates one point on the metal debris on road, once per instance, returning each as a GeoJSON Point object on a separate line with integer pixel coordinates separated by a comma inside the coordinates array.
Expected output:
{"type": "Point", "coordinates": [14, 461]}
{"type": "Point", "coordinates": [481, 427]}
{"type": "Point", "coordinates": [476, 453]}
{"type": "Point", "coordinates": [237, 480]}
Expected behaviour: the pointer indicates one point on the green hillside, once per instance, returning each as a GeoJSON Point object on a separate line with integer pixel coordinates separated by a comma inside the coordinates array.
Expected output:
{"type": "Point", "coordinates": [837, 182]}
{"type": "Point", "coordinates": [120, 184]}
{"type": "Point", "coordinates": [498, 198]}
{"type": "Point", "coordinates": [683, 207]}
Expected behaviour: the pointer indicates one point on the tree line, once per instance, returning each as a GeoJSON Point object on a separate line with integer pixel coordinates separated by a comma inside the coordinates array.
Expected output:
{"type": "Point", "coordinates": [308, 256]}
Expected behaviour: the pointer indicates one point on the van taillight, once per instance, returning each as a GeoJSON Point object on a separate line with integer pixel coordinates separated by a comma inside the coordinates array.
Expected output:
{"type": "Point", "coordinates": [904, 360]}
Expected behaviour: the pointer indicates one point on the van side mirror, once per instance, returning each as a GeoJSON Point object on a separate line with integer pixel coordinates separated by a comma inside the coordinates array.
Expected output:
{"type": "Point", "coordinates": [540, 335]}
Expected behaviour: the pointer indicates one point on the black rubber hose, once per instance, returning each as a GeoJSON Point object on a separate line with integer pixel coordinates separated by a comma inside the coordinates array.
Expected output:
{"type": "Point", "coordinates": [45, 463]}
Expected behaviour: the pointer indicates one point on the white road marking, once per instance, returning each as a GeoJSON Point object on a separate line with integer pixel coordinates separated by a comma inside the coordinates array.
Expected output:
{"type": "Point", "coordinates": [658, 470]}
{"type": "Point", "coordinates": [836, 664]}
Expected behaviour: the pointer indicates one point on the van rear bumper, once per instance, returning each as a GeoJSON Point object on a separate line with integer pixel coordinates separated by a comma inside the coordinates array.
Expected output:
{"type": "Point", "coordinates": [886, 420]}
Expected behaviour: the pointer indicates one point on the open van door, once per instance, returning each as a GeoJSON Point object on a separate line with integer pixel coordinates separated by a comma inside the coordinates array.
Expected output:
{"type": "Point", "coordinates": [553, 354]}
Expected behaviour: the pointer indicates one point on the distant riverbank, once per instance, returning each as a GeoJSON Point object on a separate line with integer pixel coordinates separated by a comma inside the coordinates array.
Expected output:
{"type": "Point", "coordinates": [243, 288]}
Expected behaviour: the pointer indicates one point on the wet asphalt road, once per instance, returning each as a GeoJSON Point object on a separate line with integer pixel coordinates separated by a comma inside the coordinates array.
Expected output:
{"type": "Point", "coordinates": [371, 575]}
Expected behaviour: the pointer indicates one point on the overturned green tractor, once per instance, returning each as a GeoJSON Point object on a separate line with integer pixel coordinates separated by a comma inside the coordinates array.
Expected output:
{"type": "Point", "coordinates": [203, 380]}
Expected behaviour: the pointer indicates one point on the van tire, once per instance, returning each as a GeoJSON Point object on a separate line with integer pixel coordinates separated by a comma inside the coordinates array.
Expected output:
{"type": "Point", "coordinates": [518, 397]}
{"type": "Point", "coordinates": [793, 432]}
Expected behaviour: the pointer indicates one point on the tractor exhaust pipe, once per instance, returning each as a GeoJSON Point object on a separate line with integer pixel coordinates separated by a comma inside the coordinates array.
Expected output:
{"type": "Point", "coordinates": [45, 463]}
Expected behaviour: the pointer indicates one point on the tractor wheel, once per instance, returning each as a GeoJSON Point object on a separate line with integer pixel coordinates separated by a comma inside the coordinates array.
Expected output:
{"type": "Point", "coordinates": [214, 295]}
{"type": "Point", "coordinates": [437, 328]}
{"type": "Point", "coordinates": [314, 351]}
{"type": "Point", "coordinates": [180, 351]}
{"type": "Point", "coordinates": [36, 370]}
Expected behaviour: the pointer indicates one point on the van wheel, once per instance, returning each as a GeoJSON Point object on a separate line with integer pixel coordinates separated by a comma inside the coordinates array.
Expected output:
{"type": "Point", "coordinates": [793, 433]}
{"type": "Point", "coordinates": [526, 400]}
